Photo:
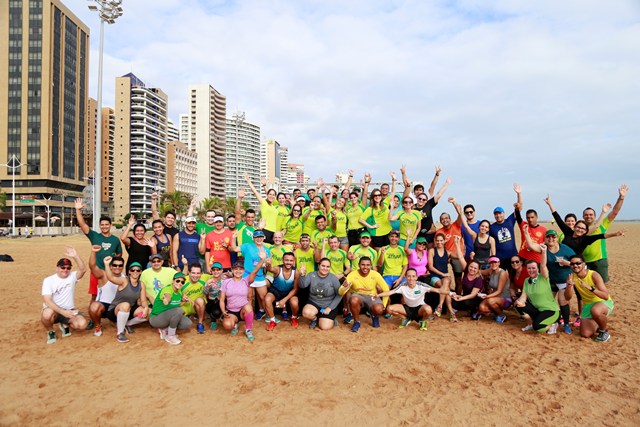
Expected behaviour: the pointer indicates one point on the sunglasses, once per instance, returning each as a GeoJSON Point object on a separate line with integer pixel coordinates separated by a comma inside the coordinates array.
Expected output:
{"type": "Point", "coordinates": [156, 260]}
{"type": "Point", "coordinates": [515, 262]}
{"type": "Point", "coordinates": [580, 228]}
{"type": "Point", "coordinates": [179, 281]}
{"type": "Point", "coordinates": [135, 270]}
{"type": "Point", "coordinates": [407, 201]}
{"type": "Point", "coordinates": [573, 264]}
{"type": "Point", "coordinates": [66, 267]}
{"type": "Point", "coordinates": [423, 199]}
{"type": "Point", "coordinates": [117, 265]}
{"type": "Point", "coordinates": [468, 212]}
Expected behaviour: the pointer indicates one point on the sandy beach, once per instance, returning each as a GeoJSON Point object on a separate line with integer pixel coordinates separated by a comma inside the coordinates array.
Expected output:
{"type": "Point", "coordinates": [471, 373]}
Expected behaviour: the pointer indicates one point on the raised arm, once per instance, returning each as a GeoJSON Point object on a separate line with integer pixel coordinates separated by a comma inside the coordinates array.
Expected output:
{"type": "Point", "coordinates": [518, 190]}
{"type": "Point", "coordinates": [253, 189]}
{"type": "Point", "coordinates": [437, 197]}
{"type": "Point", "coordinates": [154, 206]}
{"type": "Point", "coordinates": [349, 180]}
{"type": "Point", "coordinates": [124, 236]}
{"type": "Point", "coordinates": [405, 182]}
{"type": "Point", "coordinates": [622, 193]}
{"type": "Point", "coordinates": [605, 208]}
{"type": "Point", "coordinates": [238, 207]}
{"type": "Point", "coordinates": [263, 257]}
{"type": "Point", "coordinates": [543, 261]}
{"type": "Point", "coordinates": [365, 189]}
{"type": "Point", "coordinates": [393, 184]}
{"type": "Point", "coordinates": [434, 181]}
{"type": "Point", "coordinates": [79, 218]}
{"type": "Point", "coordinates": [534, 246]}
{"type": "Point", "coordinates": [458, 209]}
{"type": "Point", "coordinates": [70, 252]}
{"type": "Point", "coordinates": [110, 276]}
{"type": "Point", "coordinates": [192, 206]}
{"type": "Point", "coordinates": [459, 254]}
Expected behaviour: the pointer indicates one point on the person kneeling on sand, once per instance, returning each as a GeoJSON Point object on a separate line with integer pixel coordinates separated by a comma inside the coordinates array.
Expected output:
{"type": "Point", "coordinates": [413, 307]}
{"type": "Point", "coordinates": [236, 297]}
{"type": "Point", "coordinates": [363, 283]}
{"type": "Point", "coordinates": [324, 295]}
{"type": "Point", "coordinates": [167, 314]}
{"type": "Point", "coordinates": [283, 290]}
{"type": "Point", "coordinates": [596, 300]}
{"type": "Point", "coordinates": [58, 292]}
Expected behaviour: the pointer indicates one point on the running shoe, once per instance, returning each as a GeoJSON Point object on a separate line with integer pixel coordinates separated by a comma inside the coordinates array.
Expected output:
{"type": "Point", "coordinates": [234, 330]}
{"type": "Point", "coordinates": [375, 321]}
{"type": "Point", "coordinates": [65, 330]}
{"type": "Point", "coordinates": [345, 312]}
{"type": "Point", "coordinates": [294, 322]}
{"type": "Point", "coordinates": [285, 315]}
{"type": "Point", "coordinates": [213, 326]}
{"type": "Point", "coordinates": [348, 319]}
{"type": "Point", "coordinates": [90, 325]}
{"type": "Point", "coordinates": [313, 324]}
{"type": "Point", "coordinates": [423, 325]}
{"type": "Point", "coordinates": [567, 329]}
{"type": "Point", "coordinates": [561, 322]}
{"type": "Point", "coordinates": [438, 311]}
{"type": "Point", "coordinates": [356, 326]}
{"type": "Point", "coordinates": [122, 338]}
{"type": "Point", "coordinates": [129, 330]}
{"type": "Point", "coordinates": [98, 331]}
{"type": "Point", "coordinates": [249, 335]}
{"type": "Point", "coordinates": [387, 316]}
{"type": "Point", "coordinates": [404, 323]}
{"type": "Point", "coordinates": [272, 326]}
{"type": "Point", "coordinates": [501, 318]}
{"type": "Point", "coordinates": [51, 337]}
{"type": "Point", "coordinates": [527, 328]}
{"type": "Point", "coordinates": [270, 319]}
{"type": "Point", "coordinates": [476, 316]}
{"type": "Point", "coordinates": [260, 314]}
{"type": "Point", "coordinates": [200, 328]}
{"type": "Point", "coordinates": [453, 318]}
{"type": "Point", "coordinates": [603, 336]}
{"type": "Point", "coordinates": [552, 329]}
{"type": "Point", "coordinates": [163, 333]}
{"type": "Point", "coordinates": [576, 322]}
{"type": "Point", "coordinates": [173, 340]}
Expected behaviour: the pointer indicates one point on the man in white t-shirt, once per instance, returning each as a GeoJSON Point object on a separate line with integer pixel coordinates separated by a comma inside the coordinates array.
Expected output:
{"type": "Point", "coordinates": [58, 294]}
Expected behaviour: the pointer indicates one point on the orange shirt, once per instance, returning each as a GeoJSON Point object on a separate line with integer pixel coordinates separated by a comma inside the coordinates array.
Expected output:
{"type": "Point", "coordinates": [454, 229]}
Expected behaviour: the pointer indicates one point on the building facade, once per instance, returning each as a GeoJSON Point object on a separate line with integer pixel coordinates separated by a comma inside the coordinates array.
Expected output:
{"type": "Point", "coordinates": [206, 130]}
{"type": "Point", "coordinates": [242, 156]}
{"type": "Point", "coordinates": [43, 102]}
{"type": "Point", "coordinates": [182, 172]}
{"type": "Point", "coordinates": [140, 145]}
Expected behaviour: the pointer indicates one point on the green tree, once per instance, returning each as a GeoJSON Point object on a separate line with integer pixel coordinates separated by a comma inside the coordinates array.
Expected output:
{"type": "Point", "coordinates": [3, 200]}
{"type": "Point", "coordinates": [177, 201]}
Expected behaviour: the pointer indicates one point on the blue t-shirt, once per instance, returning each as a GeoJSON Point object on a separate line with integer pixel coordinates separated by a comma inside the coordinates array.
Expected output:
{"type": "Point", "coordinates": [558, 273]}
{"type": "Point", "coordinates": [505, 237]}
{"type": "Point", "coordinates": [251, 259]}
{"type": "Point", "coordinates": [468, 240]}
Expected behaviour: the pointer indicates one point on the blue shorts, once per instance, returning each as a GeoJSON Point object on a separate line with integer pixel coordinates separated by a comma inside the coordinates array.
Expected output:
{"type": "Point", "coordinates": [391, 279]}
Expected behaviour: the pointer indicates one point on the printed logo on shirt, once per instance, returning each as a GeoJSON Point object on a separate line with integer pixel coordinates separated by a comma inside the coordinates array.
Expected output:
{"type": "Point", "coordinates": [504, 235]}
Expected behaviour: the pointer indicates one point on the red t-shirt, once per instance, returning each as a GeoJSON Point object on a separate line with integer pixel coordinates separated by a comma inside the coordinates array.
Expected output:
{"type": "Point", "coordinates": [217, 244]}
{"type": "Point", "coordinates": [449, 242]}
{"type": "Point", "coordinates": [537, 235]}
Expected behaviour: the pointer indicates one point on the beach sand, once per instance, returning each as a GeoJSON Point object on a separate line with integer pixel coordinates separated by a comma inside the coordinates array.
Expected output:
{"type": "Point", "coordinates": [471, 373]}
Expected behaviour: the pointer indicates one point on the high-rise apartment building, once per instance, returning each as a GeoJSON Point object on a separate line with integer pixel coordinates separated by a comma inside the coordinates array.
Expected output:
{"type": "Point", "coordinates": [283, 154]}
{"type": "Point", "coordinates": [43, 101]}
{"type": "Point", "coordinates": [140, 145]}
{"type": "Point", "coordinates": [182, 172]}
{"type": "Point", "coordinates": [242, 156]}
{"type": "Point", "coordinates": [207, 116]}
{"type": "Point", "coordinates": [108, 170]}
{"type": "Point", "coordinates": [184, 130]}
{"type": "Point", "coordinates": [270, 162]}
{"type": "Point", "coordinates": [173, 133]}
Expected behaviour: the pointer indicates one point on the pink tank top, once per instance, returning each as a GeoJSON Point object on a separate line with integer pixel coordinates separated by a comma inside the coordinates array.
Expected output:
{"type": "Point", "coordinates": [420, 264]}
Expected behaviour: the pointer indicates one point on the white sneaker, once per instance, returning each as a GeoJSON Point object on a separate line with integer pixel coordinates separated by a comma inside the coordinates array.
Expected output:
{"type": "Point", "coordinates": [172, 339]}
{"type": "Point", "coordinates": [97, 332]}
{"type": "Point", "coordinates": [527, 328]}
{"type": "Point", "coordinates": [552, 329]}
{"type": "Point", "coordinates": [163, 333]}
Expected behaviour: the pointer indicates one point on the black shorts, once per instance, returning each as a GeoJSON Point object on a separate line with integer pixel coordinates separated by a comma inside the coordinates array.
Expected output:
{"type": "Point", "coordinates": [412, 312]}
{"type": "Point", "coordinates": [106, 308]}
{"type": "Point", "coordinates": [332, 314]}
{"type": "Point", "coordinates": [111, 314]}
{"type": "Point", "coordinates": [278, 293]}
{"type": "Point", "coordinates": [61, 319]}
{"type": "Point", "coordinates": [354, 236]}
{"type": "Point", "coordinates": [236, 313]}
{"type": "Point", "coordinates": [268, 236]}
{"type": "Point", "coordinates": [379, 241]}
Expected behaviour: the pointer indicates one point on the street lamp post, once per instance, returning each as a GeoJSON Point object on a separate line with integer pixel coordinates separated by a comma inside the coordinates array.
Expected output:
{"type": "Point", "coordinates": [14, 231]}
{"type": "Point", "coordinates": [108, 11]}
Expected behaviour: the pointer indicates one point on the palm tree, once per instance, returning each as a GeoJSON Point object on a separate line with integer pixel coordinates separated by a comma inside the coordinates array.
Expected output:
{"type": "Point", "coordinates": [3, 200]}
{"type": "Point", "coordinates": [177, 201]}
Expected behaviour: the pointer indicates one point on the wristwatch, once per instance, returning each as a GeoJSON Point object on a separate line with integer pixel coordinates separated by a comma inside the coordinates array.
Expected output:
{"type": "Point", "coordinates": [593, 289]}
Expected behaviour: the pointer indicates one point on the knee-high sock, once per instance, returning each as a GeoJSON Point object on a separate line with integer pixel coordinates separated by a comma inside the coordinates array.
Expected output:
{"type": "Point", "coordinates": [121, 320]}
{"type": "Point", "coordinates": [566, 313]}
{"type": "Point", "coordinates": [248, 319]}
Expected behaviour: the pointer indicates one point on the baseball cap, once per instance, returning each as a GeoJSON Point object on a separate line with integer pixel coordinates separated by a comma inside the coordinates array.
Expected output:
{"type": "Point", "coordinates": [421, 240]}
{"type": "Point", "coordinates": [190, 219]}
{"type": "Point", "coordinates": [498, 209]}
{"type": "Point", "coordinates": [395, 232]}
{"type": "Point", "coordinates": [551, 233]}
{"type": "Point", "coordinates": [216, 265]}
{"type": "Point", "coordinates": [64, 262]}
{"type": "Point", "coordinates": [154, 256]}
{"type": "Point", "coordinates": [178, 275]}
{"type": "Point", "coordinates": [135, 264]}
{"type": "Point", "coordinates": [494, 259]}
{"type": "Point", "coordinates": [238, 264]}
{"type": "Point", "coordinates": [218, 218]}
{"type": "Point", "coordinates": [258, 233]}
{"type": "Point", "coordinates": [365, 234]}
{"type": "Point", "coordinates": [301, 199]}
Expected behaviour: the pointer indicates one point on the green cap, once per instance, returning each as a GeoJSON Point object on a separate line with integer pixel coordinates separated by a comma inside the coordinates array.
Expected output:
{"type": "Point", "coordinates": [178, 275]}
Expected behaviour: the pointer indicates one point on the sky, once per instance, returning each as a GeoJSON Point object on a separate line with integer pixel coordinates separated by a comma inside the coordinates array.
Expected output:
{"type": "Point", "coordinates": [493, 91]}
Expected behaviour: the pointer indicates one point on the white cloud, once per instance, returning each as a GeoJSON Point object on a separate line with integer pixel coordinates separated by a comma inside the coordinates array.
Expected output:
{"type": "Point", "coordinates": [544, 93]}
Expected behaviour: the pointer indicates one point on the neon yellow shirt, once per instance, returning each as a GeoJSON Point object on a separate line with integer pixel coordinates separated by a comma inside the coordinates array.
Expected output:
{"type": "Point", "coordinates": [359, 251]}
{"type": "Point", "coordinates": [408, 223]}
{"type": "Point", "coordinates": [319, 236]}
{"type": "Point", "coordinates": [583, 287]}
{"type": "Point", "coordinates": [283, 215]}
{"type": "Point", "coordinates": [394, 260]}
{"type": "Point", "coordinates": [277, 253]}
{"type": "Point", "coordinates": [380, 217]}
{"type": "Point", "coordinates": [270, 215]}
{"type": "Point", "coordinates": [341, 223]}
{"type": "Point", "coordinates": [294, 230]}
{"type": "Point", "coordinates": [353, 215]}
{"type": "Point", "coordinates": [193, 291]}
{"type": "Point", "coordinates": [305, 259]}
{"type": "Point", "coordinates": [309, 226]}
{"type": "Point", "coordinates": [598, 249]}
{"type": "Point", "coordinates": [339, 261]}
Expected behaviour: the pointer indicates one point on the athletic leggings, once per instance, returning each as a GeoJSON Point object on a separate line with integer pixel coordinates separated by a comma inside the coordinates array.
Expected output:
{"type": "Point", "coordinates": [541, 319]}
{"type": "Point", "coordinates": [173, 318]}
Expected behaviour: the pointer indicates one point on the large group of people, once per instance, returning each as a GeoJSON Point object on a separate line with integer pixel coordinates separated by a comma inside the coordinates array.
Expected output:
{"type": "Point", "coordinates": [359, 252]}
